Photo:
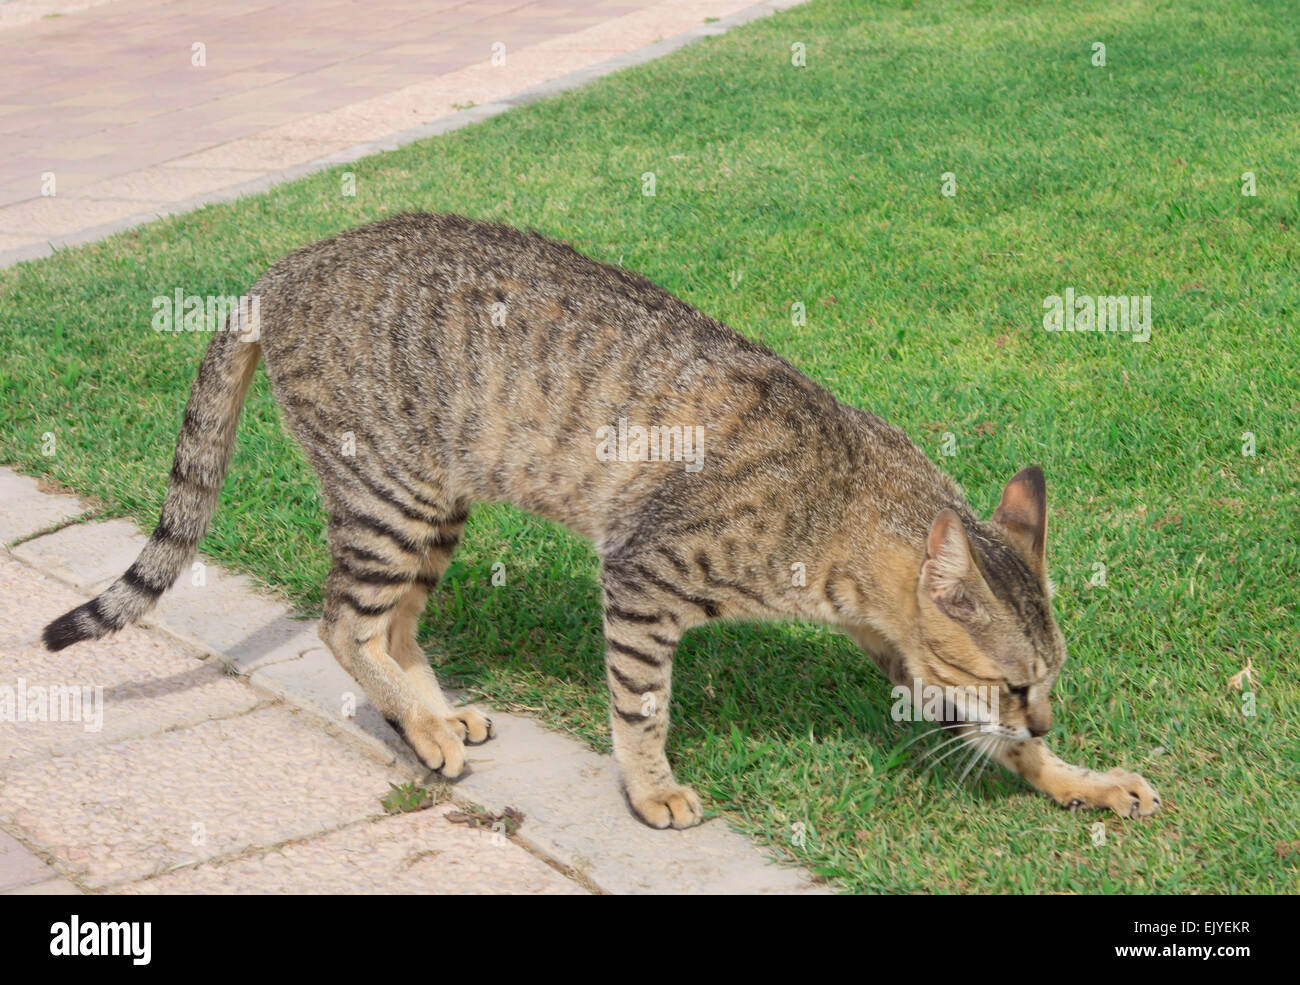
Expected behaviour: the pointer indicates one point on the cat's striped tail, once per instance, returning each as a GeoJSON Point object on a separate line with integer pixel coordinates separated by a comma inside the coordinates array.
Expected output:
{"type": "Point", "coordinates": [202, 453]}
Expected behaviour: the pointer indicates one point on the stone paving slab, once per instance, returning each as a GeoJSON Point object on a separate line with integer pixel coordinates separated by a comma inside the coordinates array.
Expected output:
{"type": "Point", "coordinates": [51, 218]}
{"type": "Point", "coordinates": [419, 853]}
{"type": "Point", "coordinates": [136, 808]}
{"type": "Point", "coordinates": [18, 866]}
{"type": "Point", "coordinates": [576, 815]}
{"type": "Point", "coordinates": [16, 14]}
{"type": "Point", "coordinates": [138, 684]}
{"type": "Point", "coordinates": [265, 631]}
{"type": "Point", "coordinates": [51, 887]}
{"type": "Point", "coordinates": [92, 556]}
{"type": "Point", "coordinates": [86, 555]}
{"type": "Point", "coordinates": [26, 510]}
{"type": "Point", "coordinates": [316, 681]}
{"type": "Point", "coordinates": [149, 185]}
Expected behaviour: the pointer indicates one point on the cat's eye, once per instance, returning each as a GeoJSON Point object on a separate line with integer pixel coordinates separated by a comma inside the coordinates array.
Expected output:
{"type": "Point", "coordinates": [1020, 692]}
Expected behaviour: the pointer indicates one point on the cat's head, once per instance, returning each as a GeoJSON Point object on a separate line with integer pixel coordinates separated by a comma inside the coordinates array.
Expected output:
{"type": "Point", "coordinates": [985, 620]}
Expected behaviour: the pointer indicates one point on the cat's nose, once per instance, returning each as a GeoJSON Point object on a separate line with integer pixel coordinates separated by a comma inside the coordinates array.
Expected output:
{"type": "Point", "coordinates": [1039, 720]}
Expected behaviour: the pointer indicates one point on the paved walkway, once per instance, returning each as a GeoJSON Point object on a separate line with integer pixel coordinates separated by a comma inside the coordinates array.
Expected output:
{"type": "Point", "coordinates": [106, 102]}
{"type": "Point", "coordinates": [219, 755]}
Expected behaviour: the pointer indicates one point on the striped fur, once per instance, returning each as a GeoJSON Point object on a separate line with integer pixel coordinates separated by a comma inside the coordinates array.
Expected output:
{"type": "Point", "coordinates": [427, 363]}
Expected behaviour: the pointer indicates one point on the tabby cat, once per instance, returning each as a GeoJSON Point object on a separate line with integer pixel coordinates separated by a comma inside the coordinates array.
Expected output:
{"type": "Point", "coordinates": [429, 362]}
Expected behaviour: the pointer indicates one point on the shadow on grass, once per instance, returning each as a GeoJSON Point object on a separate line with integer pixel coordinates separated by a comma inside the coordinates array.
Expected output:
{"type": "Point", "coordinates": [540, 634]}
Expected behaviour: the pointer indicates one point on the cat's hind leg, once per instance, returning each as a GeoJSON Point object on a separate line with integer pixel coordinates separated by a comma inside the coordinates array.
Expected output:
{"type": "Point", "coordinates": [375, 568]}
{"type": "Point", "coordinates": [469, 723]}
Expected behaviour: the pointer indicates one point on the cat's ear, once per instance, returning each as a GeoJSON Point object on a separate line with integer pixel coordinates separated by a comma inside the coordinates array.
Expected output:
{"type": "Point", "coordinates": [948, 575]}
{"type": "Point", "coordinates": [1022, 514]}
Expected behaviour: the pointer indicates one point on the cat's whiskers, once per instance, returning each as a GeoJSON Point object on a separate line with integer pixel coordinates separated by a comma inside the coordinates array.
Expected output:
{"type": "Point", "coordinates": [972, 759]}
{"type": "Point", "coordinates": [950, 740]}
{"type": "Point", "coordinates": [994, 747]}
{"type": "Point", "coordinates": [970, 754]}
{"type": "Point", "coordinates": [981, 745]}
{"type": "Point", "coordinates": [929, 732]}
{"type": "Point", "coordinates": [957, 739]}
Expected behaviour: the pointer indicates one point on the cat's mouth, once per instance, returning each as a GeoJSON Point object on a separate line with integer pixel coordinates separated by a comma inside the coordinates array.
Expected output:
{"type": "Point", "coordinates": [985, 722]}
{"type": "Point", "coordinates": [977, 706]}
{"type": "Point", "coordinates": [1010, 733]}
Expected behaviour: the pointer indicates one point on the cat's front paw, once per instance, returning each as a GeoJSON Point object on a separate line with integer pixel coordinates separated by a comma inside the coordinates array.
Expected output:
{"type": "Point", "coordinates": [1127, 794]}
{"type": "Point", "coordinates": [672, 807]}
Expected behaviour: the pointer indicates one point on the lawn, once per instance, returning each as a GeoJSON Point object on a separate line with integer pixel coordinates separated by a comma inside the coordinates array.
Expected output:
{"type": "Point", "coordinates": [821, 184]}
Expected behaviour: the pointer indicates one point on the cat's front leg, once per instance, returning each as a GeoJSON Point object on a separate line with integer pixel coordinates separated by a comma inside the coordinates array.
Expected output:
{"type": "Point", "coordinates": [641, 637]}
{"type": "Point", "coordinates": [1127, 794]}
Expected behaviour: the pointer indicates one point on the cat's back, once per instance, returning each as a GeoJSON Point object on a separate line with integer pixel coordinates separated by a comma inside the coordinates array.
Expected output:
{"type": "Point", "coordinates": [436, 266]}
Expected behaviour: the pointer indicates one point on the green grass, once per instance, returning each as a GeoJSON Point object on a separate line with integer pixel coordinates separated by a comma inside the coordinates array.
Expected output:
{"type": "Point", "coordinates": [822, 185]}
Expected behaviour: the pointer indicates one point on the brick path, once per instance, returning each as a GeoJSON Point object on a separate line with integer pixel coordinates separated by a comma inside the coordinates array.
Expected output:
{"type": "Point", "coordinates": [191, 773]}
{"type": "Point", "coordinates": [106, 99]}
